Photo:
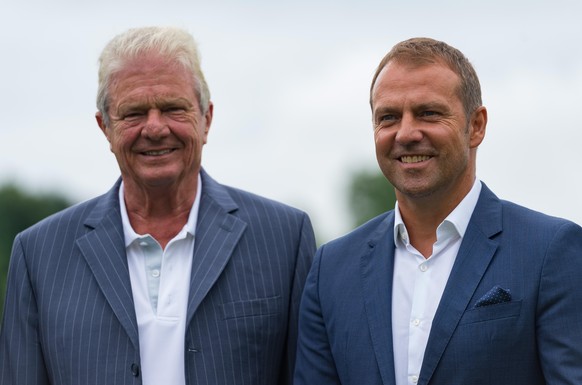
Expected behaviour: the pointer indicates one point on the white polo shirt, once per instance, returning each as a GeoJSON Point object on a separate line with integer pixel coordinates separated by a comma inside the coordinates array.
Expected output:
{"type": "Point", "coordinates": [160, 282]}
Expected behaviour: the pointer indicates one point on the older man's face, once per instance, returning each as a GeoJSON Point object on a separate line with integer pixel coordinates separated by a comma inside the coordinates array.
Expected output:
{"type": "Point", "coordinates": [156, 128]}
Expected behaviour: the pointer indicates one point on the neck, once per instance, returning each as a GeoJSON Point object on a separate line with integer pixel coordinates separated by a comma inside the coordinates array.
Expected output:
{"type": "Point", "coordinates": [161, 211]}
{"type": "Point", "coordinates": [423, 215]}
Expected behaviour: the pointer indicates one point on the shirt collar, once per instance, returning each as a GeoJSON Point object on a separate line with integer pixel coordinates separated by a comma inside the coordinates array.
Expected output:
{"type": "Point", "coordinates": [456, 222]}
{"type": "Point", "coordinates": [189, 228]}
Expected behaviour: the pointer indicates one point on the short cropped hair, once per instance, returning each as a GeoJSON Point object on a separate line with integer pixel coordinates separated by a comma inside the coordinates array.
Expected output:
{"type": "Point", "coordinates": [174, 43]}
{"type": "Point", "coordinates": [421, 51]}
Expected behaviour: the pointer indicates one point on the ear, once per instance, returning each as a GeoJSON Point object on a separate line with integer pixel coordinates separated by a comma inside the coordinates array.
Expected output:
{"type": "Point", "coordinates": [208, 120]}
{"type": "Point", "coordinates": [478, 126]}
{"type": "Point", "coordinates": [101, 124]}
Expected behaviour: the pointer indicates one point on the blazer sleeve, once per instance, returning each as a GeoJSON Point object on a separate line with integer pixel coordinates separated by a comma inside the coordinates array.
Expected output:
{"type": "Point", "coordinates": [21, 357]}
{"type": "Point", "coordinates": [315, 364]}
{"type": "Point", "coordinates": [303, 261]}
{"type": "Point", "coordinates": [559, 320]}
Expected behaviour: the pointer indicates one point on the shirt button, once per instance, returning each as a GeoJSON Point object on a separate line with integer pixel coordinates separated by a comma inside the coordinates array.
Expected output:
{"type": "Point", "coordinates": [143, 243]}
{"type": "Point", "coordinates": [155, 273]}
{"type": "Point", "coordinates": [423, 267]}
{"type": "Point", "coordinates": [416, 322]}
{"type": "Point", "coordinates": [414, 379]}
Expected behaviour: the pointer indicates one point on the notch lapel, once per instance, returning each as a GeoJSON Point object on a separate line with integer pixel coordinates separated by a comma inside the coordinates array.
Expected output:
{"type": "Point", "coordinates": [474, 256]}
{"type": "Point", "coordinates": [217, 234]}
{"type": "Point", "coordinates": [376, 272]}
{"type": "Point", "coordinates": [104, 251]}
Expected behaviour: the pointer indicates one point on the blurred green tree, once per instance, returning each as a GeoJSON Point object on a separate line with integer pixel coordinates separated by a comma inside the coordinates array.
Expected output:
{"type": "Point", "coordinates": [369, 194]}
{"type": "Point", "coordinates": [19, 210]}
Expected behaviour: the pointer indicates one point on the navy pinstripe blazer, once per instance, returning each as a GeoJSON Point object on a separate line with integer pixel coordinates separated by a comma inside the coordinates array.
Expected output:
{"type": "Point", "coordinates": [70, 320]}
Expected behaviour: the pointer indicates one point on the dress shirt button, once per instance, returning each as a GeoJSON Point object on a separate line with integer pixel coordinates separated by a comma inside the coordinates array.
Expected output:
{"type": "Point", "coordinates": [416, 322]}
{"type": "Point", "coordinates": [135, 370]}
{"type": "Point", "coordinates": [414, 379]}
{"type": "Point", "coordinates": [423, 267]}
{"type": "Point", "coordinates": [143, 243]}
{"type": "Point", "coordinates": [155, 273]}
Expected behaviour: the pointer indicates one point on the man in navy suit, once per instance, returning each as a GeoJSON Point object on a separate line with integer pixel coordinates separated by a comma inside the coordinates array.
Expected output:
{"type": "Point", "coordinates": [170, 277]}
{"type": "Point", "coordinates": [454, 286]}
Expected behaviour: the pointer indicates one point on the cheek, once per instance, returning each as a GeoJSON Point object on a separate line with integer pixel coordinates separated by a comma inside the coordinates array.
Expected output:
{"type": "Point", "coordinates": [383, 141]}
{"type": "Point", "coordinates": [121, 141]}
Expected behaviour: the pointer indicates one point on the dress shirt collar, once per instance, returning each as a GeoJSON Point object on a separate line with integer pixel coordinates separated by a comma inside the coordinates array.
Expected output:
{"type": "Point", "coordinates": [454, 224]}
{"type": "Point", "coordinates": [189, 228]}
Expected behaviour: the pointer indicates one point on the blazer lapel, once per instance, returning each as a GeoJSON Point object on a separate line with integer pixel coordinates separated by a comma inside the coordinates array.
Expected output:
{"type": "Point", "coordinates": [474, 256]}
{"type": "Point", "coordinates": [376, 271]}
{"type": "Point", "coordinates": [217, 234]}
{"type": "Point", "coordinates": [104, 251]}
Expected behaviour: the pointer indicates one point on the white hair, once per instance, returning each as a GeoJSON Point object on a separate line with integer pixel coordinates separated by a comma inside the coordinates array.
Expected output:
{"type": "Point", "coordinates": [174, 43]}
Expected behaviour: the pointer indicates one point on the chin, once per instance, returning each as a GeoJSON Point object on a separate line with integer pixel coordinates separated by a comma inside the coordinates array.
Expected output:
{"type": "Point", "coordinates": [157, 180]}
{"type": "Point", "coordinates": [415, 191]}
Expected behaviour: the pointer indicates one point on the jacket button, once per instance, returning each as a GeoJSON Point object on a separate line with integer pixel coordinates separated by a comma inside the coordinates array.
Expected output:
{"type": "Point", "coordinates": [135, 370]}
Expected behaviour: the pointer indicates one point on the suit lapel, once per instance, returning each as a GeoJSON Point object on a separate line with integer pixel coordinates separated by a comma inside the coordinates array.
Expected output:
{"type": "Point", "coordinates": [376, 272]}
{"type": "Point", "coordinates": [217, 234]}
{"type": "Point", "coordinates": [104, 251]}
{"type": "Point", "coordinates": [474, 256]}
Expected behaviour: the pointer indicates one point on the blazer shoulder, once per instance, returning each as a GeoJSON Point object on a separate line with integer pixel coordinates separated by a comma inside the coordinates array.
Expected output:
{"type": "Point", "coordinates": [371, 232]}
{"type": "Point", "coordinates": [71, 219]}
{"type": "Point", "coordinates": [493, 216]}
{"type": "Point", "coordinates": [248, 201]}
{"type": "Point", "coordinates": [517, 215]}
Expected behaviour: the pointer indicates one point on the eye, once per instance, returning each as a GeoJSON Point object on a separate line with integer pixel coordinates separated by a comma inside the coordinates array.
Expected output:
{"type": "Point", "coordinates": [429, 114]}
{"type": "Point", "coordinates": [386, 119]}
{"type": "Point", "coordinates": [174, 109]}
{"type": "Point", "coordinates": [132, 116]}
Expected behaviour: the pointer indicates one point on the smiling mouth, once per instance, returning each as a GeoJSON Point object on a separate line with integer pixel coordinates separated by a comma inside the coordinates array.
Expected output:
{"type": "Point", "coordinates": [157, 152]}
{"type": "Point", "coordinates": [414, 158]}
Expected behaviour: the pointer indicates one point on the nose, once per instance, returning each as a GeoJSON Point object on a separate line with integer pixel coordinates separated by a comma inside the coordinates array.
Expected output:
{"type": "Point", "coordinates": [409, 130]}
{"type": "Point", "coordinates": [155, 126]}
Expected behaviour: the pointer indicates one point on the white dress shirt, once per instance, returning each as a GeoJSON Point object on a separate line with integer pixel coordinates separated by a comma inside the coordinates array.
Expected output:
{"type": "Point", "coordinates": [160, 282]}
{"type": "Point", "coordinates": [419, 284]}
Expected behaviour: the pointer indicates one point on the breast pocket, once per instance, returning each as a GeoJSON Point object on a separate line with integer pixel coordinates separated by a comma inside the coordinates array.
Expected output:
{"type": "Point", "coordinates": [492, 312]}
{"type": "Point", "coordinates": [252, 308]}
{"type": "Point", "coordinates": [256, 329]}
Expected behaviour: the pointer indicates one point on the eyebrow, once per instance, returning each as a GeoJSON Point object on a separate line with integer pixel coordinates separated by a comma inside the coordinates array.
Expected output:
{"type": "Point", "coordinates": [415, 107]}
{"type": "Point", "coordinates": [155, 102]}
{"type": "Point", "coordinates": [384, 110]}
{"type": "Point", "coordinates": [431, 106]}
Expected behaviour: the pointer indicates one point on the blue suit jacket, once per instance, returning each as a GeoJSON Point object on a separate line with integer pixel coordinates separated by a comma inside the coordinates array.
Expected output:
{"type": "Point", "coordinates": [345, 334]}
{"type": "Point", "coordinates": [70, 319]}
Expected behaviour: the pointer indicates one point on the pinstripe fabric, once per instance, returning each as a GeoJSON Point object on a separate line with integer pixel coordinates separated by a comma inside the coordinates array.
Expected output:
{"type": "Point", "coordinates": [69, 316]}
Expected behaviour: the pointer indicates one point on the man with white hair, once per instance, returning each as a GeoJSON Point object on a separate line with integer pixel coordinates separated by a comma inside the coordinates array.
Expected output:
{"type": "Point", "coordinates": [170, 277]}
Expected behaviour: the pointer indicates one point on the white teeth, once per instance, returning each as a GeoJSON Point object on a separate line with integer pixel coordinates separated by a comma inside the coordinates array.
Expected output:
{"type": "Point", "coordinates": [414, 158]}
{"type": "Point", "coordinates": [155, 153]}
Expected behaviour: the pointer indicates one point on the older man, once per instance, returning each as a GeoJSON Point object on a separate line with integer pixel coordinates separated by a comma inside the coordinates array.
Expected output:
{"type": "Point", "coordinates": [170, 277]}
{"type": "Point", "coordinates": [453, 286]}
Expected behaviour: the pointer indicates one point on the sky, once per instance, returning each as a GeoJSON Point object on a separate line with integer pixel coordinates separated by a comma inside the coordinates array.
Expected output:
{"type": "Point", "coordinates": [290, 82]}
